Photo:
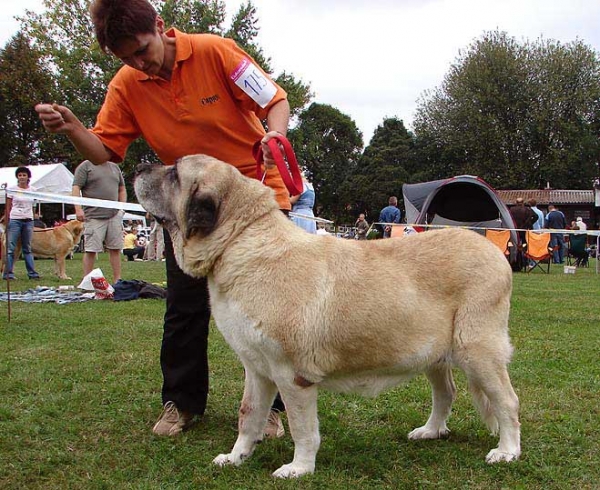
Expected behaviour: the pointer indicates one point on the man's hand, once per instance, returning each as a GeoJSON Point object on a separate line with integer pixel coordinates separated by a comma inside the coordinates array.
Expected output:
{"type": "Point", "coordinates": [80, 215]}
{"type": "Point", "coordinates": [267, 154]}
{"type": "Point", "coordinates": [57, 118]}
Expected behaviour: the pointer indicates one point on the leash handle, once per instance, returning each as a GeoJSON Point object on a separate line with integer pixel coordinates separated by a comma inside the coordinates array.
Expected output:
{"type": "Point", "coordinates": [289, 170]}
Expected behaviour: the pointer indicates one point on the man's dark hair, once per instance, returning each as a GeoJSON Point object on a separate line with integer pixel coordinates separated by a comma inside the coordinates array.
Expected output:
{"type": "Point", "coordinates": [116, 21]}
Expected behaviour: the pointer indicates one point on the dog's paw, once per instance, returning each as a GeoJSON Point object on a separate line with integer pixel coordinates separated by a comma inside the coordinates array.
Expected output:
{"type": "Point", "coordinates": [497, 456]}
{"type": "Point", "coordinates": [227, 459]}
{"type": "Point", "coordinates": [427, 433]}
{"type": "Point", "coordinates": [293, 471]}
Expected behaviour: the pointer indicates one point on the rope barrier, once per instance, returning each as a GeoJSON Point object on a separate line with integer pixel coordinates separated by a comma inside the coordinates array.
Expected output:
{"type": "Point", "coordinates": [82, 201]}
{"type": "Point", "coordinates": [103, 203]}
{"type": "Point", "coordinates": [543, 230]}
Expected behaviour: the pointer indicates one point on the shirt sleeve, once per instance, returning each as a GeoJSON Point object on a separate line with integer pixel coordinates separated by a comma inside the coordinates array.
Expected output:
{"type": "Point", "coordinates": [80, 176]}
{"type": "Point", "coordinates": [115, 125]}
{"type": "Point", "coordinates": [251, 86]}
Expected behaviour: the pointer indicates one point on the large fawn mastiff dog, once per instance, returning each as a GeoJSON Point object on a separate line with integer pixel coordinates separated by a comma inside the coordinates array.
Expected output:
{"type": "Point", "coordinates": [286, 301]}
{"type": "Point", "coordinates": [54, 243]}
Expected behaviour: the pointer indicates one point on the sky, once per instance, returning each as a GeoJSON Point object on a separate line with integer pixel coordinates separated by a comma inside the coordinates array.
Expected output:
{"type": "Point", "coordinates": [374, 59]}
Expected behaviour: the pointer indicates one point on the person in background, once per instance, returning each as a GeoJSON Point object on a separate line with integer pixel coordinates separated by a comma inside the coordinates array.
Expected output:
{"type": "Point", "coordinates": [555, 220]}
{"type": "Point", "coordinates": [19, 209]}
{"type": "Point", "coordinates": [156, 242]}
{"type": "Point", "coordinates": [539, 223]}
{"type": "Point", "coordinates": [303, 204]}
{"type": "Point", "coordinates": [131, 246]}
{"type": "Point", "coordinates": [524, 218]}
{"type": "Point", "coordinates": [37, 221]}
{"type": "Point", "coordinates": [390, 214]}
{"type": "Point", "coordinates": [184, 94]}
{"type": "Point", "coordinates": [580, 224]}
{"type": "Point", "coordinates": [103, 227]}
{"type": "Point", "coordinates": [322, 231]}
{"type": "Point", "coordinates": [362, 227]}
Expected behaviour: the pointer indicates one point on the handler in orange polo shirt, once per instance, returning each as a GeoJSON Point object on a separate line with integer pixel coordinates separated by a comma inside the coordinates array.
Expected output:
{"type": "Point", "coordinates": [184, 94]}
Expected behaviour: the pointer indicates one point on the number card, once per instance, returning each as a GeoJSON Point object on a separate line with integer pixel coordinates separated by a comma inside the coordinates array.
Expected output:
{"type": "Point", "coordinates": [252, 81]}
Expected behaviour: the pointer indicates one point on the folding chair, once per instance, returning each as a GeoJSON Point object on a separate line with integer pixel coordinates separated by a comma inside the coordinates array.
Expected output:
{"type": "Point", "coordinates": [538, 250]}
{"type": "Point", "coordinates": [577, 250]}
{"type": "Point", "coordinates": [500, 238]}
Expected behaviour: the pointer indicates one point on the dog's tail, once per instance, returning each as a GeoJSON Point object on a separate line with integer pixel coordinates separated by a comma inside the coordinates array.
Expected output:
{"type": "Point", "coordinates": [484, 407]}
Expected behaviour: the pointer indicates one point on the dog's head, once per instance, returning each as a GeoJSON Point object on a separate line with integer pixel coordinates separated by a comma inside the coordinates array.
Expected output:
{"type": "Point", "coordinates": [75, 228]}
{"type": "Point", "coordinates": [203, 203]}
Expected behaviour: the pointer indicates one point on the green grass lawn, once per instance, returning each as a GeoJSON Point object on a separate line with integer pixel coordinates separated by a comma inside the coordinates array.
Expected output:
{"type": "Point", "coordinates": [80, 391]}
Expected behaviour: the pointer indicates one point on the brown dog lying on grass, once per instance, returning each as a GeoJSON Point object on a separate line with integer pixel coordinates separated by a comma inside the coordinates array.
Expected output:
{"type": "Point", "coordinates": [53, 243]}
{"type": "Point", "coordinates": [285, 300]}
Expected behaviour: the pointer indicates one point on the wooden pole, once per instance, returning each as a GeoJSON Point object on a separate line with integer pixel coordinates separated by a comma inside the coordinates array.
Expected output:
{"type": "Point", "coordinates": [6, 219]}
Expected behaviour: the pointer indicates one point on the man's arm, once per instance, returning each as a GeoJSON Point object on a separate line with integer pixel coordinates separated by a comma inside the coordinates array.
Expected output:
{"type": "Point", "coordinates": [60, 120]}
{"type": "Point", "coordinates": [278, 119]}
{"type": "Point", "coordinates": [397, 216]}
{"type": "Point", "coordinates": [76, 192]}
{"type": "Point", "coordinates": [122, 193]}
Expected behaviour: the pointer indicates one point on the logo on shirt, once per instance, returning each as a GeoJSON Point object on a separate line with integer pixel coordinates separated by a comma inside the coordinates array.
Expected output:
{"type": "Point", "coordinates": [210, 100]}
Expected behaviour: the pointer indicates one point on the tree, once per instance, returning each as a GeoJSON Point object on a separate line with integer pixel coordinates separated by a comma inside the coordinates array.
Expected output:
{"type": "Point", "coordinates": [328, 145]}
{"type": "Point", "coordinates": [24, 81]}
{"type": "Point", "coordinates": [517, 115]}
{"type": "Point", "coordinates": [383, 168]}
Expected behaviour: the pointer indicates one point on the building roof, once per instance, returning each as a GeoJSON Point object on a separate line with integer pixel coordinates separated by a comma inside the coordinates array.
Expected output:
{"type": "Point", "coordinates": [549, 196]}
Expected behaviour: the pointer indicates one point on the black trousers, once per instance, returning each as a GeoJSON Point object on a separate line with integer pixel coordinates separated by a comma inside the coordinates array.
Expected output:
{"type": "Point", "coordinates": [184, 350]}
{"type": "Point", "coordinates": [131, 253]}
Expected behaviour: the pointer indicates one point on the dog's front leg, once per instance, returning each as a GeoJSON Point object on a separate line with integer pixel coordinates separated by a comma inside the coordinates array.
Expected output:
{"type": "Point", "coordinates": [60, 267]}
{"type": "Point", "coordinates": [259, 393]}
{"type": "Point", "coordinates": [301, 409]}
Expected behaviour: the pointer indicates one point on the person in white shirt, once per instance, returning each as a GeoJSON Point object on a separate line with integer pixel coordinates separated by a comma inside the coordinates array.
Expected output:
{"type": "Point", "coordinates": [20, 226]}
{"type": "Point", "coordinates": [581, 224]}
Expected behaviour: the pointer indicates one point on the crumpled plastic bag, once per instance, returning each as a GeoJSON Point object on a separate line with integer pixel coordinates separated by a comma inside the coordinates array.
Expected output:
{"type": "Point", "coordinates": [96, 281]}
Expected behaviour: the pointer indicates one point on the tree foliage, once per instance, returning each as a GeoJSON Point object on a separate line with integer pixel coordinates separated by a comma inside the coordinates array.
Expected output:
{"type": "Point", "coordinates": [328, 144]}
{"type": "Point", "coordinates": [383, 168]}
{"type": "Point", "coordinates": [23, 83]}
{"type": "Point", "coordinates": [516, 114]}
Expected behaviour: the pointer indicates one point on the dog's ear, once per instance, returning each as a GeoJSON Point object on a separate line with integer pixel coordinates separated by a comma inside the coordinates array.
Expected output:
{"type": "Point", "coordinates": [201, 214]}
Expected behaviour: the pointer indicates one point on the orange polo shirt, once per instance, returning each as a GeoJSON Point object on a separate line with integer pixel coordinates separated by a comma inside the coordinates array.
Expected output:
{"type": "Point", "coordinates": [213, 104]}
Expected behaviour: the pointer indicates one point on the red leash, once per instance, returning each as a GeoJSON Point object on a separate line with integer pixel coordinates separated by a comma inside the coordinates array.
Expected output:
{"type": "Point", "coordinates": [289, 170]}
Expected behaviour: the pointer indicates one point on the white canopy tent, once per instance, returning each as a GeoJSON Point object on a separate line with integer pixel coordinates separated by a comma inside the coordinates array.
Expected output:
{"type": "Point", "coordinates": [54, 178]}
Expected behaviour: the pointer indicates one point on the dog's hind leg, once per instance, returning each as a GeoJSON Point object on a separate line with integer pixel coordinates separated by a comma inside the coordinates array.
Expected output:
{"type": "Point", "coordinates": [259, 393]}
{"type": "Point", "coordinates": [443, 394]}
{"type": "Point", "coordinates": [498, 405]}
{"type": "Point", "coordinates": [301, 409]}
